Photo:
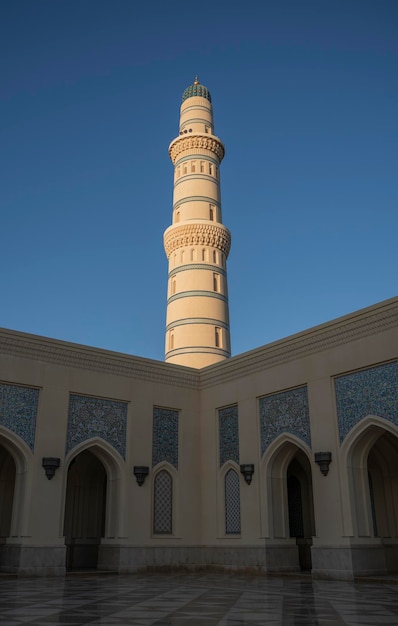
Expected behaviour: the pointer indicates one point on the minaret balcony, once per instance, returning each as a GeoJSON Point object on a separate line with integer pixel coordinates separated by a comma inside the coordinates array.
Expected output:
{"type": "Point", "coordinates": [197, 233]}
{"type": "Point", "coordinates": [196, 143]}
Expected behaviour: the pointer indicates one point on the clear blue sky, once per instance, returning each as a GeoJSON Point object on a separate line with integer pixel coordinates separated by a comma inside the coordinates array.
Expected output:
{"type": "Point", "coordinates": [305, 96]}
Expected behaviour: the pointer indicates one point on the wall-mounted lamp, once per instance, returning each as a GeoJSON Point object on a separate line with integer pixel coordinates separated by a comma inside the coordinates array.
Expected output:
{"type": "Point", "coordinates": [323, 459]}
{"type": "Point", "coordinates": [141, 472]}
{"type": "Point", "coordinates": [247, 469]}
{"type": "Point", "coordinates": [50, 464]}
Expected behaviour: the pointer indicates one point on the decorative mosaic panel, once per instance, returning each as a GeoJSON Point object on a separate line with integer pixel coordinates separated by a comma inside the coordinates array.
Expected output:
{"type": "Point", "coordinates": [163, 504]}
{"type": "Point", "coordinates": [284, 412]}
{"type": "Point", "coordinates": [232, 503]}
{"type": "Point", "coordinates": [18, 411]}
{"type": "Point", "coordinates": [228, 434]}
{"type": "Point", "coordinates": [373, 391]}
{"type": "Point", "coordinates": [96, 417]}
{"type": "Point", "coordinates": [165, 436]}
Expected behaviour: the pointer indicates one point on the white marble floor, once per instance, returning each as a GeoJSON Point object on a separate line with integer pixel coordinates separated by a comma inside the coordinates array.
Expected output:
{"type": "Point", "coordinates": [195, 600]}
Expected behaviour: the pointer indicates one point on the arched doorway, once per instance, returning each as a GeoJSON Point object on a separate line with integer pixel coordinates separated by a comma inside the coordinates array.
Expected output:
{"type": "Point", "coordinates": [85, 506]}
{"type": "Point", "coordinates": [372, 463]}
{"type": "Point", "coordinates": [288, 506]}
{"type": "Point", "coordinates": [7, 485]}
{"type": "Point", "coordinates": [300, 507]}
{"type": "Point", "coordinates": [383, 485]}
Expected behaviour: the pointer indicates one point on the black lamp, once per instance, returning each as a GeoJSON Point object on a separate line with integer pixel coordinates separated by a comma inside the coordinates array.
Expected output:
{"type": "Point", "coordinates": [323, 459]}
{"type": "Point", "coordinates": [247, 469]}
{"type": "Point", "coordinates": [50, 464]}
{"type": "Point", "coordinates": [141, 472]}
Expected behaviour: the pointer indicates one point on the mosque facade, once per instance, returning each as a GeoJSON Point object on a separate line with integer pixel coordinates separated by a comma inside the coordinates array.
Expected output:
{"type": "Point", "coordinates": [281, 459]}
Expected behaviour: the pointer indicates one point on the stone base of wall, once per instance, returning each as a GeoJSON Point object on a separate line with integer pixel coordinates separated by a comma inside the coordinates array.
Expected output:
{"type": "Point", "coordinates": [344, 562]}
{"type": "Point", "coordinates": [273, 558]}
{"type": "Point", "coordinates": [282, 557]}
{"type": "Point", "coordinates": [391, 555]}
{"type": "Point", "coordinates": [332, 562]}
{"type": "Point", "coordinates": [351, 561]}
{"type": "Point", "coordinates": [32, 560]}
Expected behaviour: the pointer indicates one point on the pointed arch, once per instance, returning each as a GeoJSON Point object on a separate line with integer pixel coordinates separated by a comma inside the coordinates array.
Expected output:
{"type": "Point", "coordinates": [362, 428]}
{"type": "Point", "coordinates": [280, 452]}
{"type": "Point", "coordinates": [17, 447]}
{"type": "Point", "coordinates": [21, 460]}
{"type": "Point", "coordinates": [274, 472]}
{"type": "Point", "coordinates": [229, 513]}
{"type": "Point", "coordinates": [371, 447]}
{"type": "Point", "coordinates": [113, 465]}
{"type": "Point", "coordinates": [287, 510]}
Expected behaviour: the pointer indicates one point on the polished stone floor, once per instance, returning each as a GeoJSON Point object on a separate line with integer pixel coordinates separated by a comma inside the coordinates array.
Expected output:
{"type": "Point", "coordinates": [195, 600]}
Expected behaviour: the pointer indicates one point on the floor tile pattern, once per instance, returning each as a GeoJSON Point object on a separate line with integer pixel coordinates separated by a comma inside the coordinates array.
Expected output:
{"type": "Point", "coordinates": [195, 600]}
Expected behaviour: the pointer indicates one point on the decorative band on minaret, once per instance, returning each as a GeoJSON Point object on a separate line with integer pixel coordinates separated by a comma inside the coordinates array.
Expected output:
{"type": "Point", "coordinates": [197, 243]}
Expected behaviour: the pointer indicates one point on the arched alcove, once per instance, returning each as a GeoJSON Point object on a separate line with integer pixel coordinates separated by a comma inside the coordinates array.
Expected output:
{"type": "Point", "coordinates": [85, 510]}
{"type": "Point", "coordinates": [15, 458]}
{"type": "Point", "coordinates": [288, 506]}
{"type": "Point", "coordinates": [300, 506]}
{"type": "Point", "coordinates": [372, 470]}
{"type": "Point", "coordinates": [7, 486]}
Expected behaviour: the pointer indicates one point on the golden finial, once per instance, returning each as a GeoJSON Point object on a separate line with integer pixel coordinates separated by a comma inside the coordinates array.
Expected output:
{"type": "Point", "coordinates": [196, 81]}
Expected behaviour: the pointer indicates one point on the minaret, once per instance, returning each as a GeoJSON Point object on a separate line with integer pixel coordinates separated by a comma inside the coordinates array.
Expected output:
{"type": "Point", "coordinates": [197, 243]}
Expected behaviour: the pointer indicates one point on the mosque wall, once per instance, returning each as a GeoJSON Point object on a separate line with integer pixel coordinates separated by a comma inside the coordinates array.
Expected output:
{"type": "Point", "coordinates": [297, 397]}
{"type": "Point", "coordinates": [59, 400]}
{"type": "Point", "coordinates": [284, 458]}
{"type": "Point", "coordinates": [332, 389]}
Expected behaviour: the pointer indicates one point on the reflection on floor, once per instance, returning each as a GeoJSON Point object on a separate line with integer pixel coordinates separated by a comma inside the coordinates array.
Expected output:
{"type": "Point", "coordinates": [195, 600]}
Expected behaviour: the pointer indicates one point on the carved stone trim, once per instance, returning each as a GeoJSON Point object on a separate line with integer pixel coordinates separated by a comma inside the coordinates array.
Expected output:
{"type": "Point", "coordinates": [367, 322]}
{"type": "Point", "coordinates": [364, 323]}
{"type": "Point", "coordinates": [190, 234]}
{"type": "Point", "coordinates": [201, 142]}
{"type": "Point", "coordinates": [66, 354]}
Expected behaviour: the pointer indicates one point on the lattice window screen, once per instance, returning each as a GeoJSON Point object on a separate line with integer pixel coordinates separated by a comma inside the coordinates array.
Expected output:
{"type": "Point", "coordinates": [163, 504]}
{"type": "Point", "coordinates": [232, 503]}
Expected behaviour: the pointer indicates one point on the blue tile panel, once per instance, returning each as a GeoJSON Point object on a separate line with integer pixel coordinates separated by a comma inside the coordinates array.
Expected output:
{"type": "Point", "coordinates": [96, 417]}
{"type": "Point", "coordinates": [284, 412]}
{"type": "Point", "coordinates": [165, 436]}
{"type": "Point", "coordinates": [373, 391]}
{"type": "Point", "coordinates": [18, 411]}
{"type": "Point", "coordinates": [228, 429]}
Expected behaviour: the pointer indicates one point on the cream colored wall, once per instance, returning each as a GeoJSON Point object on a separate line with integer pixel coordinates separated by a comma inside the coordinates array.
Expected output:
{"type": "Point", "coordinates": [244, 379]}
{"type": "Point", "coordinates": [154, 384]}
{"type": "Point", "coordinates": [311, 358]}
